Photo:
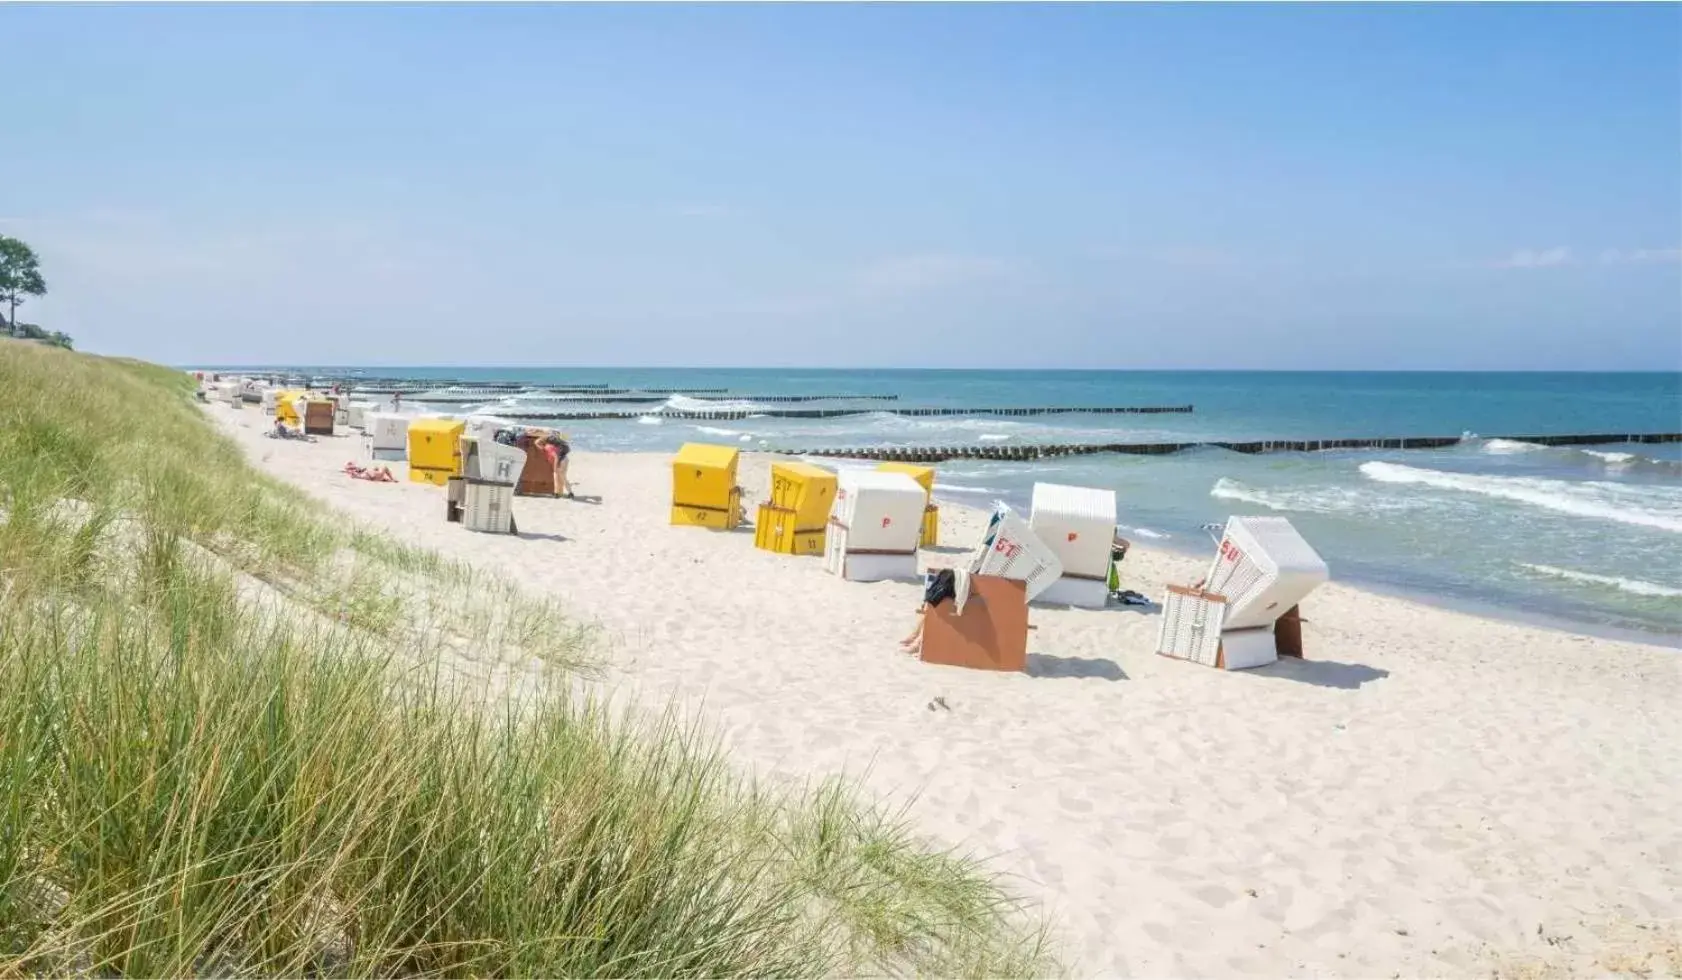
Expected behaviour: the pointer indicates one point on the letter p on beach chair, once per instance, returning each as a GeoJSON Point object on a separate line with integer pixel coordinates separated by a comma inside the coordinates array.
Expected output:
{"type": "Point", "coordinates": [1078, 525]}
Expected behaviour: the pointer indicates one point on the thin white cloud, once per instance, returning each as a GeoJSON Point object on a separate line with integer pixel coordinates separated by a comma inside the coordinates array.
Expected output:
{"type": "Point", "coordinates": [936, 270]}
{"type": "Point", "coordinates": [1560, 255]}
{"type": "Point", "coordinates": [1187, 256]}
{"type": "Point", "coordinates": [1640, 256]}
{"type": "Point", "coordinates": [1537, 258]}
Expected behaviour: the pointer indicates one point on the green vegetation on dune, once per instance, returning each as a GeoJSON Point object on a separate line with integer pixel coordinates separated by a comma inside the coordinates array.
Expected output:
{"type": "Point", "coordinates": [240, 737]}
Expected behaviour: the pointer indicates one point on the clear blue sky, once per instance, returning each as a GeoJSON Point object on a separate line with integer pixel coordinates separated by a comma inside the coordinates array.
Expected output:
{"type": "Point", "coordinates": [1381, 186]}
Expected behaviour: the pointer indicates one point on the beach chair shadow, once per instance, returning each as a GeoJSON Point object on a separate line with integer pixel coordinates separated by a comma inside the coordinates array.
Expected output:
{"type": "Point", "coordinates": [1151, 608]}
{"type": "Point", "coordinates": [539, 536]}
{"type": "Point", "coordinates": [1321, 673]}
{"type": "Point", "coordinates": [1051, 666]}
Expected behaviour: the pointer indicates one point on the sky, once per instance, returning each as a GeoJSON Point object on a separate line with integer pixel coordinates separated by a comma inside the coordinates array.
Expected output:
{"type": "Point", "coordinates": [1176, 186]}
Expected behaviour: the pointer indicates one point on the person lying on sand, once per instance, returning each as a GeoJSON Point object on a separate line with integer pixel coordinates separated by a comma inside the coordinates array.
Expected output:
{"type": "Point", "coordinates": [373, 474]}
{"type": "Point", "coordinates": [283, 431]}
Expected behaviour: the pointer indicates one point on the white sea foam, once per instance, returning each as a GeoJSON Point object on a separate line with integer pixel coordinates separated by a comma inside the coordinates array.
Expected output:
{"type": "Point", "coordinates": [713, 430]}
{"type": "Point", "coordinates": [1614, 461]}
{"type": "Point", "coordinates": [1309, 500]}
{"type": "Point", "coordinates": [993, 436]}
{"type": "Point", "coordinates": [684, 403]}
{"type": "Point", "coordinates": [1655, 507]}
{"type": "Point", "coordinates": [1509, 447]}
{"type": "Point", "coordinates": [1633, 586]}
{"type": "Point", "coordinates": [649, 420]}
{"type": "Point", "coordinates": [1145, 532]}
{"type": "Point", "coordinates": [962, 488]}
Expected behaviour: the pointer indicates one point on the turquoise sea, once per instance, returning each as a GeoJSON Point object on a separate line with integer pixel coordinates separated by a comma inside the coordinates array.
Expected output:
{"type": "Point", "coordinates": [1589, 537]}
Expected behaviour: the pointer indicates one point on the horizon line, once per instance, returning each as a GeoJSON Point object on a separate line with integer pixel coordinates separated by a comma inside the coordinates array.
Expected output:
{"type": "Point", "coordinates": [1007, 370]}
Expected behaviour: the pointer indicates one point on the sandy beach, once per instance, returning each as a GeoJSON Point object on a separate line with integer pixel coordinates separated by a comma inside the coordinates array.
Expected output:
{"type": "Point", "coordinates": [1428, 793]}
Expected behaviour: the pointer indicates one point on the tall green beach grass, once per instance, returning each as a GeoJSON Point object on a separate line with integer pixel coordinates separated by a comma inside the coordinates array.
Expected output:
{"type": "Point", "coordinates": [238, 736]}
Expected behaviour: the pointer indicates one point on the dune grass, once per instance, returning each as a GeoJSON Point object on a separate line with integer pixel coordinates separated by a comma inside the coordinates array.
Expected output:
{"type": "Point", "coordinates": [234, 739]}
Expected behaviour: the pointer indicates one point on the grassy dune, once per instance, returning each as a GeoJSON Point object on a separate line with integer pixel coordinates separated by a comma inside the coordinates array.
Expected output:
{"type": "Point", "coordinates": [240, 736]}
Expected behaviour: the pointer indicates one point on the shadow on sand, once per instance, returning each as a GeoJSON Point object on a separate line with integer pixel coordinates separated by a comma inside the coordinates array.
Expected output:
{"type": "Point", "coordinates": [1322, 673]}
{"type": "Point", "coordinates": [1077, 668]}
{"type": "Point", "coordinates": [538, 536]}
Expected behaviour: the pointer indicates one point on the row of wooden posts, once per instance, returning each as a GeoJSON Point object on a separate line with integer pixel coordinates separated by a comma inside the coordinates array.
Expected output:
{"type": "Point", "coordinates": [621, 395]}
{"type": "Point", "coordinates": [935, 454]}
{"type": "Point", "coordinates": [737, 414]}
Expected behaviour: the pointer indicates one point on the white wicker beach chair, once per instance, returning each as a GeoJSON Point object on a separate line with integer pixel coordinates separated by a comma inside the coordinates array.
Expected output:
{"type": "Point", "coordinates": [1263, 567]}
{"type": "Point", "coordinates": [874, 526]}
{"type": "Point", "coordinates": [1010, 549]}
{"type": "Point", "coordinates": [1078, 525]}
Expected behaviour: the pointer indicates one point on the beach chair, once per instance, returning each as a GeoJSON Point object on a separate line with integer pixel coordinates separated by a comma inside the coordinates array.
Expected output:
{"type": "Point", "coordinates": [1078, 525]}
{"type": "Point", "coordinates": [539, 477]}
{"type": "Point", "coordinates": [284, 406]}
{"type": "Point", "coordinates": [1009, 548]}
{"type": "Point", "coordinates": [792, 522]}
{"type": "Point", "coordinates": [491, 461]}
{"type": "Point", "coordinates": [388, 435]}
{"type": "Point", "coordinates": [704, 490]}
{"type": "Point", "coordinates": [434, 450]}
{"type": "Point", "coordinates": [1245, 612]}
{"type": "Point", "coordinates": [341, 410]}
{"type": "Point", "coordinates": [487, 506]}
{"type": "Point", "coordinates": [356, 415]}
{"type": "Point", "coordinates": [874, 527]}
{"type": "Point", "coordinates": [318, 415]}
{"type": "Point", "coordinates": [990, 633]}
{"type": "Point", "coordinates": [924, 475]}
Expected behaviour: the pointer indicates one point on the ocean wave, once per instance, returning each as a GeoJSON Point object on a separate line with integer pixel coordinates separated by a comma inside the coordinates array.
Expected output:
{"type": "Point", "coordinates": [1601, 458]}
{"type": "Point", "coordinates": [961, 488]}
{"type": "Point", "coordinates": [1633, 586]}
{"type": "Point", "coordinates": [1145, 532]}
{"type": "Point", "coordinates": [713, 430]}
{"type": "Point", "coordinates": [649, 420]}
{"type": "Point", "coordinates": [684, 403]}
{"type": "Point", "coordinates": [993, 436]}
{"type": "Point", "coordinates": [1655, 507]}
{"type": "Point", "coordinates": [1309, 500]}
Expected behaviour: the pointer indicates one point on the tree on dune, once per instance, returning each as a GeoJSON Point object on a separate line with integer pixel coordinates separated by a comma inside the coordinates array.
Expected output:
{"type": "Point", "coordinates": [20, 276]}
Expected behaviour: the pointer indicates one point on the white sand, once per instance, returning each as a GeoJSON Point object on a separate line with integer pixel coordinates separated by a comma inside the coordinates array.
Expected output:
{"type": "Point", "coordinates": [1429, 793]}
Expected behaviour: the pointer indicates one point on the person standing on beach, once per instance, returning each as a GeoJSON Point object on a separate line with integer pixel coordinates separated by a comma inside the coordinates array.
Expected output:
{"type": "Point", "coordinates": [557, 450]}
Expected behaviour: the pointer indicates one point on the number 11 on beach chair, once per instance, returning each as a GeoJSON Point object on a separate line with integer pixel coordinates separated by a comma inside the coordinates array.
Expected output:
{"type": "Point", "coordinates": [794, 520]}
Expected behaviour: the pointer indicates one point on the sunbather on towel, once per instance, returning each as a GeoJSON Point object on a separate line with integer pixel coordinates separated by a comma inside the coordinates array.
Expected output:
{"type": "Point", "coordinates": [284, 431]}
{"type": "Point", "coordinates": [373, 474]}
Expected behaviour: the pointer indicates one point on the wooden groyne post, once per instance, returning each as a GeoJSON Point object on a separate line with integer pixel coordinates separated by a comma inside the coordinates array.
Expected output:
{"type": "Point", "coordinates": [1024, 453]}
